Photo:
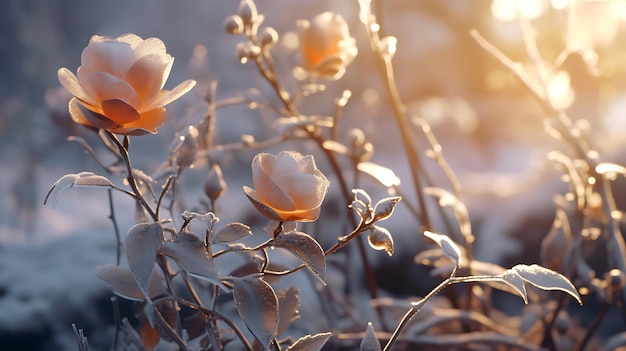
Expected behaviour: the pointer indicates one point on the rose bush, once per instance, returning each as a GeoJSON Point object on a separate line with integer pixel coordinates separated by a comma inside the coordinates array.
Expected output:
{"type": "Point", "coordinates": [118, 86]}
{"type": "Point", "coordinates": [326, 46]}
{"type": "Point", "coordinates": [289, 187]}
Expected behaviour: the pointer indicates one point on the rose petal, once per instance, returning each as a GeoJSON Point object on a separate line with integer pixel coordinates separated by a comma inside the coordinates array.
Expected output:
{"type": "Point", "coordinates": [148, 123]}
{"type": "Point", "coordinates": [131, 39]}
{"type": "Point", "coordinates": [306, 164]}
{"type": "Point", "coordinates": [152, 46]}
{"type": "Point", "coordinates": [260, 206]}
{"type": "Point", "coordinates": [104, 54]}
{"type": "Point", "coordinates": [268, 191]}
{"type": "Point", "coordinates": [301, 215]}
{"type": "Point", "coordinates": [82, 115]}
{"type": "Point", "coordinates": [69, 81]}
{"type": "Point", "coordinates": [285, 164]}
{"type": "Point", "coordinates": [148, 75]}
{"type": "Point", "coordinates": [166, 97]}
{"type": "Point", "coordinates": [105, 86]}
{"type": "Point", "coordinates": [119, 111]}
{"type": "Point", "coordinates": [305, 190]}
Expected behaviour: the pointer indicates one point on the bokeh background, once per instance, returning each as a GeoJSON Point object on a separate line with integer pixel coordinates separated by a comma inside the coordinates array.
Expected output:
{"type": "Point", "coordinates": [490, 128]}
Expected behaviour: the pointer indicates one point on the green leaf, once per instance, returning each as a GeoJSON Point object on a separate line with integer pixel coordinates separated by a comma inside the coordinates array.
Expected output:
{"type": "Point", "coordinates": [307, 249]}
{"type": "Point", "coordinates": [257, 305]}
{"type": "Point", "coordinates": [546, 279]}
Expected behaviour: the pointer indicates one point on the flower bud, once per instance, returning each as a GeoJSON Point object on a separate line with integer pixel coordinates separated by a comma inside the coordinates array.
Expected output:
{"type": "Point", "coordinates": [215, 186]}
{"type": "Point", "coordinates": [248, 12]}
{"type": "Point", "coordinates": [233, 24]}
{"type": "Point", "coordinates": [268, 37]}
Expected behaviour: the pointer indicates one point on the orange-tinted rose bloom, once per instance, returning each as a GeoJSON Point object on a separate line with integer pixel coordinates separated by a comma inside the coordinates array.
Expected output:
{"type": "Point", "coordinates": [118, 86]}
{"type": "Point", "coordinates": [326, 46]}
{"type": "Point", "coordinates": [289, 187]}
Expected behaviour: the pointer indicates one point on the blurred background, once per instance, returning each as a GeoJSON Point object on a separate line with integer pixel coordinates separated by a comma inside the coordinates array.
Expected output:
{"type": "Point", "coordinates": [490, 128]}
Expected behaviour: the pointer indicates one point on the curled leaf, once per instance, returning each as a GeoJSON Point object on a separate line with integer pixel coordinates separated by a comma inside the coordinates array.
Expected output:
{"type": "Point", "coordinates": [449, 247]}
{"type": "Point", "coordinates": [380, 238]}
{"type": "Point", "coordinates": [310, 342]}
{"type": "Point", "coordinates": [80, 180]}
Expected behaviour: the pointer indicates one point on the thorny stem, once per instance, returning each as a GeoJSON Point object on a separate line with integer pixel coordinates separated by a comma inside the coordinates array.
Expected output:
{"type": "Point", "coordinates": [131, 179]}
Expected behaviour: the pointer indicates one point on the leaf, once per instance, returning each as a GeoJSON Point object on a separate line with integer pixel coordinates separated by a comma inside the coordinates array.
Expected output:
{"type": "Point", "coordinates": [80, 180]}
{"type": "Point", "coordinates": [142, 243]}
{"type": "Point", "coordinates": [383, 175]}
{"type": "Point", "coordinates": [449, 247]}
{"type": "Point", "coordinates": [307, 249]}
{"type": "Point", "coordinates": [511, 278]}
{"type": "Point", "coordinates": [379, 238]}
{"type": "Point", "coordinates": [257, 305]}
{"type": "Point", "coordinates": [289, 302]}
{"type": "Point", "coordinates": [189, 251]}
{"type": "Point", "coordinates": [310, 342]}
{"type": "Point", "coordinates": [121, 281]}
{"type": "Point", "coordinates": [231, 232]}
{"type": "Point", "coordinates": [369, 342]}
{"type": "Point", "coordinates": [546, 279]}
{"type": "Point", "coordinates": [384, 208]}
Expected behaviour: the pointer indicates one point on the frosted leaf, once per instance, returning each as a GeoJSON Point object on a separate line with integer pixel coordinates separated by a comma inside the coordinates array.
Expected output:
{"type": "Point", "coordinates": [310, 342]}
{"type": "Point", "coordinates": [289, 302]}
{"type": "Point", "coordinates": [449, 247]}
{"type": "Point", "coordinates": [142, 243]}
{"type": "Point", "coordinates": [546, 279]}
{"type": "Point", "coordinates": [383, 175]}
{"type": "Point", "coordinates": [80, 180]}
{"type": "Point", "coordinates": [257, 305]}
{"type": "Point", "coordinates": [379, 238]}
{"type": "Point", "coordinates": [384, 208]}
{"type": "Point", "coordinates": [121, 281]}
{"type": "Point", "coordinates": [511, 278]}
{"type": "Point", "coordinates": [231, 232]}
{"type": "Point", "coordinates": [190, 253]}
{"type": "Point", "coordinates": [369, 342]}
{"type": "Point", "coordinates": [307, 249]}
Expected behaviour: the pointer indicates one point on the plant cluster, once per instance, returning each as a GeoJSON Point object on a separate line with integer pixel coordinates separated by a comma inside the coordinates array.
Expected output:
{"type": "Point", "coordinates": [184, 301]}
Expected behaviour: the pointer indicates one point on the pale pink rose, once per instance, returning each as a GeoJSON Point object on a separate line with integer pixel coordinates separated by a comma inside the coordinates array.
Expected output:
{"type": "Point", "coordinates": [118, 86]}
{"type": "Point", "coordinates": [289, 187]}
{"type": "Point", "coordinates": [326, 46]}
